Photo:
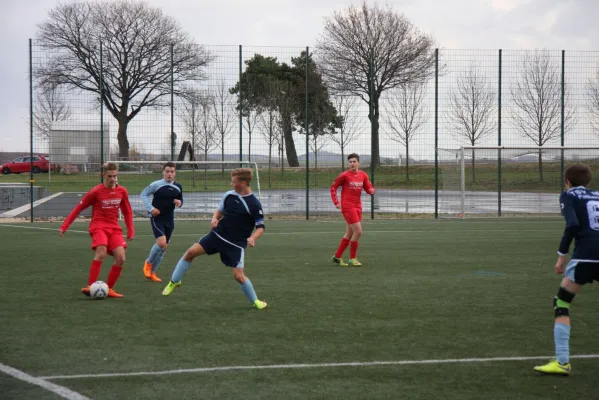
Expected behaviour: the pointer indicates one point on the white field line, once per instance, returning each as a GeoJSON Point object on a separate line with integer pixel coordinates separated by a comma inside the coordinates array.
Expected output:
{"type": "Point", "coordinates": [62, 391]}
{"type": "Point", "coordinates": [27, 207]}
{"type": "Point", "coordinates": [304, 366]}
{"type": "Point", "coordinates": [313, 232]}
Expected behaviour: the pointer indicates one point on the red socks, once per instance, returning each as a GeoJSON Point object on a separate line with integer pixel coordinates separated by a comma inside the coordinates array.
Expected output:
{"type": "Point", "coordinates": [113, 276]}
{"type": "Point", "coordinates": [342, 246]}
{"type": "Point", "coordinates": [94, 271]}
{"type": "Point", "coordinates": [353, 249]}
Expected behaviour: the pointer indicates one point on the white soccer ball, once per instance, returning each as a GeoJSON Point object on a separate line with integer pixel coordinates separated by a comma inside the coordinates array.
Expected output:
{"type": "Point", "coordinates": [98, 290]}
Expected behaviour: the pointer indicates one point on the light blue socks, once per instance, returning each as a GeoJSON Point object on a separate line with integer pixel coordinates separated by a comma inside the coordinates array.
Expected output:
{"type": "Point", "coordinates": [180, 269]}
{"type": "Point", "coordinates": [248, 290]}
{"type": "Point", "coordinates": [561, 335]}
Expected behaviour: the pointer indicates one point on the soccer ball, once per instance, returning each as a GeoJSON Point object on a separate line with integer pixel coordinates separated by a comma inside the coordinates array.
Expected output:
{"type": "Point", "coordinates": [98, 290]}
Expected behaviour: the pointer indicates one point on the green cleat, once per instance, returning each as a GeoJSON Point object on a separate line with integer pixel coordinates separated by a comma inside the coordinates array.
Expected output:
{"type": "Point", "coordinates": [339, 261]}
{"type": "Point", "coordinates": [554, 368]}
{"type": "Point", "coordinates": [260, 305]}
{"type": "Point", "coordinates": [170, 287]}
{"type": "Point", "coordinates": [353, 262]}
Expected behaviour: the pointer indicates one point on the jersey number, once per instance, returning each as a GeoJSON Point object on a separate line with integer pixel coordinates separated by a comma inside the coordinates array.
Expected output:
{"type": "Point", "coordinates": [593, 211]}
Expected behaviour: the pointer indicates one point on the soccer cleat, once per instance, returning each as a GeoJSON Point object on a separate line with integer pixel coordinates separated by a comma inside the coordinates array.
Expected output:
{"type": "Point", "coordinates": [112, 293]}
{"type": "Point", "coordinates": [155, 278]}
{"type": "Point", "coordinates": [148, 270]}
{"type": "Point", "coordinates": [85, 290]}
{"type": "Point", "coordinates": [170, 287]}
{"type": "Point", "coordinates": [260, 305]}
{"type": "Point", "coordinates": [353, 262]}
{"type": "Point", "coordinates": [339, 261]}
{"type": "Point", "coordinates": [553, 367]}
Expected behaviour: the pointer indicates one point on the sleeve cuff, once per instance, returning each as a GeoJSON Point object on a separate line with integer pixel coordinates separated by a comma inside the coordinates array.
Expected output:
{"type": "Point", "coordinates": [559, 253]}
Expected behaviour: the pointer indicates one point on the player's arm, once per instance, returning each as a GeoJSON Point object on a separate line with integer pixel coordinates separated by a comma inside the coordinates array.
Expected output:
{"type": "Point", "coordinates": [570, 231]}
{"type": "Point", "coordinates": [219, 212]}
{"type": "Point", "coordinates": [88, 200]}
{"type": "Point", "coordinates": [336, 183]}
{"type": "Point", "coordinates": [179, 199]}
{"type": "Point", "coordinates": [128, 215]}
{"type": "Point", "coordinates": [368, 186]}
{"type": "Point", "coordinates": [145, 198]}
{"type": "Point", "coordinates": [258, 215]}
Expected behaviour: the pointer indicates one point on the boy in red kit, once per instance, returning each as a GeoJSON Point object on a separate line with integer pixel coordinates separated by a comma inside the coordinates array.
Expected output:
{"type": "Point", "coordinates": [107, 235]}
{"type": "Point", "coordinates": [351, 181]}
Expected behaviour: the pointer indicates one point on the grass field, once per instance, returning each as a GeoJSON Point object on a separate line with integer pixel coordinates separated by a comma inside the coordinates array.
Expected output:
{"type": "Point", "coordinates": [441, 309]}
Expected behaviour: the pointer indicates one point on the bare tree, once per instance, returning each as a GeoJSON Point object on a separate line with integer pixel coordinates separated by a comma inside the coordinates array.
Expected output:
{"type": "Point", "coordinates": [472, 109]}
{"type": "Point", "coordinates": [249, 121]}
{"type": "Point", "coordinates": [406, 116]}
{"type": "Point", "coordinates": [537, 95]}
{"type": "Point", "coordinates": [401, 54]}
{"type": "Point", "coordinates": [224, 116]}
{"type": "Point", "coordinates": [50, 107]}
{"type": "Point", "coordinates": [143, 51]}
{"type": "Point", "coordinates": [593, 102]}
{"type": "Point", "coordinates": [348, 123]}
{"type": "Point", "coordinates": [269, 125]}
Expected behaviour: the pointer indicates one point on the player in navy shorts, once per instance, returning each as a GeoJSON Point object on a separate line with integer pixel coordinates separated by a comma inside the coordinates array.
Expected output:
{"type": "Point", "coordinates": [237, 223]}
{"type": "Point", "coordinates": [580, 208]}
{"type": "Point", "coordinates": [167, 194]}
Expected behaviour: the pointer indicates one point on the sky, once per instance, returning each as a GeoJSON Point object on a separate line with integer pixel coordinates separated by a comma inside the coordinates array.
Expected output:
{"type": "Point", "coordinates": [454, 24]}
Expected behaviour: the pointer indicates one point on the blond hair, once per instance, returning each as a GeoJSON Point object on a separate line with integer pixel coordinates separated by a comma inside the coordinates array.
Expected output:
{"type": "Point", "coordinates": [110, 166]}
{"type": "Point", "coordinates": [243, 174]}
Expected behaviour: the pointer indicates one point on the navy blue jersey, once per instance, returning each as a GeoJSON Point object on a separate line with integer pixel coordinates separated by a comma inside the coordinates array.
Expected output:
{"type": "Point", "coordinates": [241, 214]}
{"type": "Point", "coordinates": [580, 208]}
{"type": "Point", "coordinates": [163, 194]}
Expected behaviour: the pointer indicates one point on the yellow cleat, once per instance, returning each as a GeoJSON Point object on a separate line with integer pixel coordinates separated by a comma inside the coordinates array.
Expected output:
{"type": "Point", "coordinates": [353, 262]}
{"type": "Point", "coordinates": [260, 305]}
{"type": "Point", "coordinates": [554, 368]}
{"type": "Point", "coordinates": [339, 261]}
{"type": "Point", "coordinates": [170, 287]}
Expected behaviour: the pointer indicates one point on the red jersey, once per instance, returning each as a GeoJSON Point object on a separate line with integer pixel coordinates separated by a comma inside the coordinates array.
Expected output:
{"type": "Point", "coordinates": [351, 188]}
{"type": "Point", "coordinates": [105, 204]}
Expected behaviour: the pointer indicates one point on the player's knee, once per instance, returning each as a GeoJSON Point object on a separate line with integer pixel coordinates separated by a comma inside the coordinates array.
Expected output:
{"type": "Point", "coordinates": [100, 253]}
{"type": "Point", "coordinates": [561, 303]}
{"type": "Point", "coordinates": [161, 243]}
{"type": "Point", "coordinates": [239, 275]}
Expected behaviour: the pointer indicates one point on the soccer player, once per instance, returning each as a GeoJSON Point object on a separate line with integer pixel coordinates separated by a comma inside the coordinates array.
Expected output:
{"type": "Point", "coordinates": [351, 181]}
{"type": "Point", "coordinates": [167, 194]}
{"type": "Point", "coordinates": [106, 199]}
{"type": "Point", "coordinates": [580, 208]}
{"type": "Point", "coordinates": [233, 222]}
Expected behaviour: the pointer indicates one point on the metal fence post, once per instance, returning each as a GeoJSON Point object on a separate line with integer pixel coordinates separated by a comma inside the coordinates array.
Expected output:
{"type": "Point", "coordinates": [307, 128]}
{"type": "Point", "coordinates": [499, 136]}
{"type": "Point", "coordinates": [31, 130]}
{"type": "Point", "coordinates": [436, 133]}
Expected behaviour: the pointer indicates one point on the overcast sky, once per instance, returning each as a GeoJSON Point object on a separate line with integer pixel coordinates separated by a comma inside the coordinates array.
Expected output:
{"type": "Point", "coordinates": [479, 24]}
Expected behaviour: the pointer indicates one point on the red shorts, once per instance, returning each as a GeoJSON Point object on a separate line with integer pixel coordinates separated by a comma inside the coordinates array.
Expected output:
{"type": "Point", "coordinates": [352, 215]}
{"type": "Point", "coordinates": [109, 237]}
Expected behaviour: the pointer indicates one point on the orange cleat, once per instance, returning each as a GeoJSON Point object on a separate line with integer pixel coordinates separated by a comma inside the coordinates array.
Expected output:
{"type": "Point", "coordinates": [148, 270]}
{"type": "Point", "coordinates": [85, 290]}
{"type": "Point", "coordinates": [112, 293]}
{"type": "Point", "coordinates": [154, 278]}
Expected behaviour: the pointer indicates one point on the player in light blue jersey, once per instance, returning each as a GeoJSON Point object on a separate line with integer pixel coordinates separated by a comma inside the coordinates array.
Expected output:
{"type": "Point", "coordinates": [237, 223]}
{"type": "Point", "coordinates": [166, 195]}
{"type": "Point", "coordinates": [580, 208]}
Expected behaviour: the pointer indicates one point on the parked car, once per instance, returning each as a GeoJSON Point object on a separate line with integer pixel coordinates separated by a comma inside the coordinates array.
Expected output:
{"type": "Point", "coordinates": [23, 164]}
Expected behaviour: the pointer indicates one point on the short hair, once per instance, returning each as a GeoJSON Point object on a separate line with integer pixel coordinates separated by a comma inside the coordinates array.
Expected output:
{"type": "Point", "coordinates": [353, 155]}
{"type": "Point", "coordinates": [169, 164]}
{"type": "Point", "coordinates": [110, 166]}
{"type": "Point", "coordinates": [243, 174]}
{"type": "Point", "coordinates": [578, 174]}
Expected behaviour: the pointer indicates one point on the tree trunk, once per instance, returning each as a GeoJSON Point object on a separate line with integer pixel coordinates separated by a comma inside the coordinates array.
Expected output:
{"type": "Point", "coordinates": [374, 120]}
{"type": "Point", "coordinates": [473, 167]}
{"type": "Point", "coordinates": [289, 145]}
{"type": "Point", "coordinates": [407, 161]}
{"type": "Point", "coordinates": [222, 153]}
{"type": "Point", "coordinates": [540, 165]}
{"type": "Point", "coordinates": [342, 152]}
{"type": "Point", "coordinates": [122, 137]}
{"type": "Point", "coordinates": [249, 145]}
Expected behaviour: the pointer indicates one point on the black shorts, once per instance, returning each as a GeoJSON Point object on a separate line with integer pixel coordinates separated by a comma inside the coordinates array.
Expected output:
{"type": "Point", "coordinates": [231, 254]}
{"type": "Point", "coordinates": [582, 272]}
{"type": "Point", "coordinates": [162, 228]}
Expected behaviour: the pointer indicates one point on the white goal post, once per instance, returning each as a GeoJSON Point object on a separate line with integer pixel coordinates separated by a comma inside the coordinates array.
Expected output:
{"type": "Point", "coordinates": [503, 180]}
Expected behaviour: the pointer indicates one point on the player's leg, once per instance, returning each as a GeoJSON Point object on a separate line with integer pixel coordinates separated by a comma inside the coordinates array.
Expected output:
{"type": "Point", "coordinates": [234, 257]}
{"type": "Point", "coordinates": [356, 228]}
{"type": "Point", "coordinates": [338, 257]}
{"type": "Point", "coordinates": [162, 243]}
{"type": "Point", "coordinates": [116, 248]}
{"type": "Point", "coordinates": [100, 252]}
{"type": "Point", "coordinates": [197, 249]}
{"type": "Point", "coordinates": [574, 277]}
{"type": "Point", "coordinates": [157, 249]}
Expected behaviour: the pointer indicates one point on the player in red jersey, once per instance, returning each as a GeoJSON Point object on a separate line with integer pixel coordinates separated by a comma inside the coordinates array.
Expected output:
{"type": "Point", "coordinates": [107, 235]}
{"type": "Point", "coordinates": [351, 181]}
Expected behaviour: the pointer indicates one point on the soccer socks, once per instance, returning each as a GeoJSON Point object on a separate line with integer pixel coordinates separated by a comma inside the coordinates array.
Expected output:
{"type": "Point", "coordinates": [561, 335]}
{"type": "Point", "coordinates": [155, 252]}
{"type": "Point", "coordinates": [248, 290]}
{"type": "Point", "coordinates": [180, 269]}
{"type": "Point", "coordinates": [157, 261]}
{"type": "Point", "coordinates": [94, 271]}
{"type": "Point", "coordinates": [342, 246]}
{"type": "Point", "coordinates": [353, 249]}
{"type": "Point", "coordinates": [113, 276]}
